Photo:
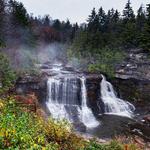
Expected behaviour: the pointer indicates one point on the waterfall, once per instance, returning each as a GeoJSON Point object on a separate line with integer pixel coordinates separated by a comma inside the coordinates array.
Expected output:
{"type": "Point", "coordinates": [63, 101]}
{"type": "Point", "coordinates": [57, 109]}
{"type": "Point", "coordinates": [67, 99]}
{"type": "Point", "coordinates": [113, 104]}
{"type": "Point", "coordinates": [87, 116]}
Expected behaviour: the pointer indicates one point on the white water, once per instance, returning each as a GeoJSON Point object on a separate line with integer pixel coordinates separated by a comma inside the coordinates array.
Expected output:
{"type": "Point", "coordinates": [57, 110]}
{"type": "Point", "coordinates": [62, 101]}
{"type": "Point", "coordinates": [67, 99]}
{"type": "Point", "coordinates": [87, 116]}
{"type": "Point", "coordinates": [113, 104]}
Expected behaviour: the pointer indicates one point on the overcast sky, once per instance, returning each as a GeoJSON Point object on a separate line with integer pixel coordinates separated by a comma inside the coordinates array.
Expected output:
{"type": "Point", "coordinates": [75, 10]}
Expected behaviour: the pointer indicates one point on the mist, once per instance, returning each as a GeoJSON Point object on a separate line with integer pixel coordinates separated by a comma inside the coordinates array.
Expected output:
{"type": "Point", "coordinates": [24, 58]}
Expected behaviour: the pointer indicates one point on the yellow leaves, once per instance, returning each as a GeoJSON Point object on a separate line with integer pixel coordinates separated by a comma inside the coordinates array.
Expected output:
{"type": "Point", "coordinates": [26, 130]}
{"type": "Point", "coordinates": [1, 104]}
{"type": "Point", "coordinates": [6, 132]}
{"type": "Point", "coordinates": [35, 145]}
{"type": "Point", "coordinates": [43, 148]}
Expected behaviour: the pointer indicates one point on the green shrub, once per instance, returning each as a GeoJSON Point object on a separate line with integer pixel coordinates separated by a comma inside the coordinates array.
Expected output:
{"type": "Point", "coordinates": [114, 145]}
{"type": "Point", "coordinates": [7, 76]}
{"type": "Point", "coordinates": [101, 60]}
{"type": "Point", "coordinates": [106, 60]}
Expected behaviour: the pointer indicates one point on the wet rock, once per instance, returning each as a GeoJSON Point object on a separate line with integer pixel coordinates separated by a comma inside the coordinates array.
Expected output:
{"type": "Point", "coordinates": [141, 128]}
{"type": "Point", "coordinates": [79, 126]}
{"type": "Point", "coordinates": [93, 92]}
{"type": "Point", "coordinates": [147, 119]}
{"type": "Point", "coordinates": [133, 90]}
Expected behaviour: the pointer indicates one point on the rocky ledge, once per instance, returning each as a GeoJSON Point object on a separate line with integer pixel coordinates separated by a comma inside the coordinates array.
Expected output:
{"type": "Point", "coordinates": [133, 76]}
{"type": "Point", "coordinates": [136, 66]}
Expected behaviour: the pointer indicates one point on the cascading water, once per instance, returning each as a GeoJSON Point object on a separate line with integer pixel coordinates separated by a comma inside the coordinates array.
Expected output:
{"type": "Point", "coordinates": [86, 115]}
{"type": "Point", "coordinates": [62, 97]}
{"type": "Point", "coordinates": [57, 109]}
{"type": "Point", "coordinates": [67, 97]}
{"type": "Point", "coordinates": [63, 101]}
{"type": "Point", "coordinates": [112, 104]}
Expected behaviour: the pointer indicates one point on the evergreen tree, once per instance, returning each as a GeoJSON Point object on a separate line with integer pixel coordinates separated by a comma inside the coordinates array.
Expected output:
{"type": "Point", "coordinates": [93, 21]}
{"type": "Point", "coordinates": [2, 20]}
{"type": "Point", "coordinates": [140, 19]}
{"type": "Point", "coordinates": [128, 13]}
{"type": "Point", "coordinates": [145, 38]}
{"type": "Point", "coordinates": [129, 34]}
{"type": "Point", "coordinates": [19, 16]}
{"type": "Point", "coordinates": [74, 30]}
{"type": "Point", "coordinates": [46, 21]}
{"type": "Point", "coordinates": [92, 16]}
{"type": "Point", "coordinates": [67, 25]}
{"type": "Point", "coordinates": [57, 25]}
{"type": "Point", "coordinates": [102, 19]}
{"type": "Point", "coordinates": [116, 16]}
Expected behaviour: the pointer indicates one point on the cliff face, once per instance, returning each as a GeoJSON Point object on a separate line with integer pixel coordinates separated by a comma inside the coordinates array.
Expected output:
{"type": "Point", "coordinates": [132, 80]}
{"type": "Point", "coordinates": [133, 76]}
{"type": "Point", "coordinates": [38, 85]}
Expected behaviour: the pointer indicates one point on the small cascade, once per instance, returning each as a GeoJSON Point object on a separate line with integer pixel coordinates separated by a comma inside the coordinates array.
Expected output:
{"type": "Point", "coordinates": [113, 104]}
{"type": "Point", "coordinates": [87, 116]}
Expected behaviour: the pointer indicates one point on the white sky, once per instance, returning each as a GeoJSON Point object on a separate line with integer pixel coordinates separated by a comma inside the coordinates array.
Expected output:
{"type": "Point", "coordinates": [75, 10]}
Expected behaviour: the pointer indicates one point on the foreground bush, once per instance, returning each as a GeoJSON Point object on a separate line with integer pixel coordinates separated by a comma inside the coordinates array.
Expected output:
{"type": "Point", "coordinates": [20, 129]}
{"type": "Point", "coordinates": [23, 130]}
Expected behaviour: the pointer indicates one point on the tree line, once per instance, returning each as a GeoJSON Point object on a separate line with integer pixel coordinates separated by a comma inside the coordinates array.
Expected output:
{"type": "Point", "coordinates": [19, 27]}
{"type": "Point", "coordinates": [114, 30]}
{"type": "Point", "coordinates": [102, 28]}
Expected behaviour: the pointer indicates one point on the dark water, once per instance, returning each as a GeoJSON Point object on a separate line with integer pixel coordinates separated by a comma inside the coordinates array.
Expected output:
{"type": "Point", "coordinates": [110, 126]}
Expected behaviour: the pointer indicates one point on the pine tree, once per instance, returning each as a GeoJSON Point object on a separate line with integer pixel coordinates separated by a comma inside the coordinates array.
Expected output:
{"type": "Point", "coordinates": [116, 16]}
{"type": "Point", "coordinates": [19, 16]}
{"type": "Point", "coordinates": [92, 16]}
{"type": "Point", "coordinates": [102, 19]}
{"type": "Point", "coordinates": [93, 22]}
{"type": "Point", "coordinates": [128, 13]}
{"type": "Point", "coordinates": [2, 16]}
{"type": "Point", "coordinates": [46, 21]}
{"type": "Point", "coordinates": [57, 25]}
{"type": "Point", "coordinates": [129, 34]}
{"type": "Point", "coordinates": [67, 25]}
{"type": "Point", "coordinates": [145, 37]}
{"type": "Point", "coordinates": [140, 19]}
